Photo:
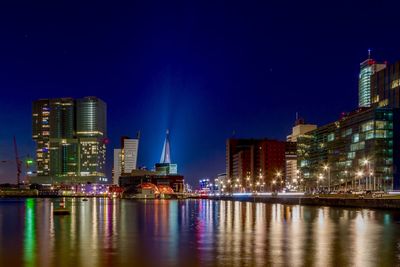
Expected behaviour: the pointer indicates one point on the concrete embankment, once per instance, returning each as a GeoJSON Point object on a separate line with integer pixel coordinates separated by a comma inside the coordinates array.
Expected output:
{"type": "Point", "coordinates": [19, 193]}
{"type": "Point", "coordinates": [375, 203]}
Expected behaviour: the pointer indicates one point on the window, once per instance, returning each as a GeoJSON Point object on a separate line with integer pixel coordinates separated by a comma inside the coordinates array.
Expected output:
{"type": "Point", "coordinates": [369, 135]}
{"type": "Point", "coordinates": [367, 126]}
{"type": "Point", "coordinates": [356, 138]}
{"type": "Point", "coordinates": [351, 155]}
{"type": "Point", "coordinates": [381, 124]}
{"type": "Point", "coordinates": [331, 137]}
{"type": "Point", "coordinates": [382, 134]}
{"type": "Point", "coordinates": [357, 146]}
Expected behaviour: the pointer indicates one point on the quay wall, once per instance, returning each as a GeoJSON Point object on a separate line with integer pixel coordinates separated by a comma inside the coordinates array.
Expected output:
{"type": "Point", "coordinates": [375, 203]}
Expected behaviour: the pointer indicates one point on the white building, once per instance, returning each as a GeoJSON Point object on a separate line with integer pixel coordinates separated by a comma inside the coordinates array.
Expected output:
{"type": "Point", "coordinates": [125, 158]}
{"type": "Point", "coordinates": [129, 154]}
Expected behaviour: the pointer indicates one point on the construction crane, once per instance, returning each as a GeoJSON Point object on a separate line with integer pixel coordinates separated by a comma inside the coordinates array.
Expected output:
{"type": "Point", "coordinates": [18, 162]}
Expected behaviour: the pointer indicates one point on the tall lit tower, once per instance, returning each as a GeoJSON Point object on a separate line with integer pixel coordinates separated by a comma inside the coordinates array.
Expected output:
{"type": "Point", "coordinates": [165, 166]}
{"type": "Point", "coordinates": [367, 69]}
{"type": "Point", "coordinates": [166, 153]}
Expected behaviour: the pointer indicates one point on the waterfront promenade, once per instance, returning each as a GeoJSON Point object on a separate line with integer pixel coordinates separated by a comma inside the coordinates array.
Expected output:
{"type": "Point", "coordinates": [363, 201]}
{"type": "Point", "coordinates": [335, 200]}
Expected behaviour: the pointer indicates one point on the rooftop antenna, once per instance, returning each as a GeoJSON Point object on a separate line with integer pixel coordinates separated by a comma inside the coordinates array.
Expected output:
{"type": "Point", "coordinates": [297, 115]}
{"type": "Point", "coordinates": [369, 53]}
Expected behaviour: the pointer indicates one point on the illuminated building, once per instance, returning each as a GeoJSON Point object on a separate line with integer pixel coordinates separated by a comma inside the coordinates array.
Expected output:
{"type": "Point", "coordinates": [137, 177]}
{"type": "Point", "coordinates": [367, 69]}
{"type": "Point", "coordinates": [41, 134]}
{"type": "Point", "coordinates": [359, 151]}
{"type": "Point", "coordinates": [70, 140]}
{"type": "Point", "coordinates": [385, 87]}
{"type": "Point", "coordinates": [53, 131]}
{"type": "Point", "coordinates": [125, 159]}
{"type": "Point", "coordinates": [165, 166]}
{"type": "Point", "coordinates": [252, 164]}
{"type": "Point", "coordinates": [91, 131]}
{"type": "Point", "coordinates": [300, 129]}
{"type": "Point", "coordinates": [117, 167]}
{"type": "Point", "coordinates": [165, 173]}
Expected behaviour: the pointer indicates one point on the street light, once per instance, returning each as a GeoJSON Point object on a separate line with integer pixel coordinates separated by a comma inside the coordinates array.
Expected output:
{"type": "Point", "coordinates": [368, 180]}
{"type": "Point", "coordinates": [328, 170]}
{"type": "Point", "coordinates": [320, 177]}
{"type": "Point", "coordinates": [359, 175]}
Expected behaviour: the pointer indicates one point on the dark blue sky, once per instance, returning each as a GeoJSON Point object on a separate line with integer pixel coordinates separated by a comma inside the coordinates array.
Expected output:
{"type": "Point", "coordinates": [200, 69]}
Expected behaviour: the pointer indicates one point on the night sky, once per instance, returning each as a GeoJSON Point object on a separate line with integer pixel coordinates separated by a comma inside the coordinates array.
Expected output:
{"type": "Point", "coordinates": [201, 69]}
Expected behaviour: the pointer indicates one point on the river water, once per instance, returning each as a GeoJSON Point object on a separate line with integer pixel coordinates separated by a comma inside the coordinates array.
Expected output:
{"type": "Point", "coordinates": [113, 232]}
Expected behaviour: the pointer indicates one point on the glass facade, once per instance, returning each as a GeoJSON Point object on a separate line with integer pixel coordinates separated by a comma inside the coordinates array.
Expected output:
{"type": "Point", "coordinates": [364, 84]}
{"type": "Point", "coordinates": [367, 69]}
{"type": "Point", "coordinates": [70, 137]}
{"type": "Point", "coordinates": [355, 152]}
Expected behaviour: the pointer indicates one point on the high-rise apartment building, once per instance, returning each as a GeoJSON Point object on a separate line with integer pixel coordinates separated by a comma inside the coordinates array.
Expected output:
{"type": "Point", "coordinates": [125, 158]}
{"type": "Point", "coordinates": [367, 69]}
{"type": "Point", "coordinates": [70, 138]}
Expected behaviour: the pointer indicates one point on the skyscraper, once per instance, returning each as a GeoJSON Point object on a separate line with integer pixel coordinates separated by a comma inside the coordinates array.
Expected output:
{"type": "Point", "coordinates": [125, 158]}
{"type": "Point", "coordinates": [92, 134]}
{"type": "Point", "coordinates": [367, 69]}
{"type": "Point", "coordinates": [165, 166]}
{"type": "Point", "coordinates": [53, 131]}
{"type": "Point", "coordinates": [70, 139]}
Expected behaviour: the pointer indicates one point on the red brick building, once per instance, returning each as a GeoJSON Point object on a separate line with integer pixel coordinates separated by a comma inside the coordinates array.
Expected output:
{"type": "Point", "coordinates": [254, 164]}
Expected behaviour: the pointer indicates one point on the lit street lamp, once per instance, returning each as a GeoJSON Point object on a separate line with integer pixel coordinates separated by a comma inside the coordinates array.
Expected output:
{"type": "Point", "coordinates": [327, 169]}
{"type": "Point", "coordinates": [359, 175]}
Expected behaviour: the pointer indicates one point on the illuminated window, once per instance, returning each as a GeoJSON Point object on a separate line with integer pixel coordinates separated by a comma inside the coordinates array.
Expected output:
{"type": "Point", "coordinates": [367, 126]}
{"type": "Point", "coordinates": [356, 138]}
{"type": "Point", "coordinates": [331, 137]}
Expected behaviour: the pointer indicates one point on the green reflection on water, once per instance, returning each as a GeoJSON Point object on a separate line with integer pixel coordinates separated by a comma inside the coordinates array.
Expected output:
{"type": "Point", "coordinates": [29, 233]}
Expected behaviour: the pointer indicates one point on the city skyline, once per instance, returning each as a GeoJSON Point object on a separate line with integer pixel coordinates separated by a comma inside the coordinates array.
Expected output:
{"type": "Point", "coordinates": [202, 87]}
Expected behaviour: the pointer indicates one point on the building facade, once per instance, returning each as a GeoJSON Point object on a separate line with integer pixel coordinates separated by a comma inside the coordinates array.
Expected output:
{"type": "Point", "coordinates": [256, 164]}
{"type": "Point", "coordinates": [138, 177]}
{"type": "Point", "coordinates": [359, 152]}
{"type": "Point", "coordinates": [300, 129]}
{"type": "Point", "coordinates": [165, 166]}
{"type": "Point", "coordinates": [367, 69]}
{"type": "Point", "coordinates": [70, 138]}
{"type": "Point", "coordinates": [385, 87]}
{"type": "Point", "coordinates": [125, 158]}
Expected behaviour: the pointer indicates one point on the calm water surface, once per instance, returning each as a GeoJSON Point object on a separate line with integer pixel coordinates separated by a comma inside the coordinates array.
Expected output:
{"type": "Point", "coordinates": [106, 232]}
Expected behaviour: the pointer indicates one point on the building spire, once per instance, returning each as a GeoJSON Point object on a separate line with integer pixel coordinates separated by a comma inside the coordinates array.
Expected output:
{"type": "Point", "coordinates": [369, 53]}
{"type": "Point", "coordinates": [166, 153]}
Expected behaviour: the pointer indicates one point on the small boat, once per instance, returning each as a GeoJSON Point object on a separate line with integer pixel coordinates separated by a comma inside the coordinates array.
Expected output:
{"type": "Point", "coordinates": [61, 211]}
{"type": "Point", "coordinates": [85, 199]}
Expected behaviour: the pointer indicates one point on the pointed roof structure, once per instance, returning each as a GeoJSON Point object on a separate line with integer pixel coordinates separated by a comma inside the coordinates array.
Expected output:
{"type": "Point", "coordinates": [166, 153]}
